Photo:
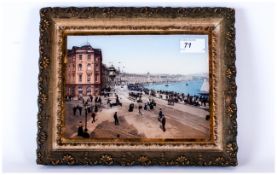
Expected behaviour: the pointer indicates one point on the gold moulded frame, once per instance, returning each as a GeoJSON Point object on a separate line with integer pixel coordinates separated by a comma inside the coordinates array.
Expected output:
{"type": "Point", "coordinates": [57, 23]}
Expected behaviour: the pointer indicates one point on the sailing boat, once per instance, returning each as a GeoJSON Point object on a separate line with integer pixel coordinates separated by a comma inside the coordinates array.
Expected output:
{"type": "Point", "coordinates": [205, 87]}
{"type": "Point", "coordinates": [166, 83]}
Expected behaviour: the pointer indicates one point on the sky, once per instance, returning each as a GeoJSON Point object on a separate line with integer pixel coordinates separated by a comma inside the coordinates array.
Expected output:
{"type": "Point", "coordinates": [156, 54]}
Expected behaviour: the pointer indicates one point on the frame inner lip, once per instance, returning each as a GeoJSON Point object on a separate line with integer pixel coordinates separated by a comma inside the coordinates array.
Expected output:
{"type": "Point", "coordinates": [66, 31]}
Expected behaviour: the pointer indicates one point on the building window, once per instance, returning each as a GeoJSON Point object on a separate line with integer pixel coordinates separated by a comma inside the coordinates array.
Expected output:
{"type": "Point", "coordinates": [96, 78]}
{"type": "Point", "coordinates": [88, 90]}
{"type": "Point", "coordinates": [89, 66]}
{"type": "Point", "coordinates": [89, 56]}
{"type": "Point", "coordinates": [80, 78]}
{"type": "Point", "coordinates": [88, 78]}
{"type": "Point", "coordinates": [73, 65]}
{"type": "Point", "coordinates": [97, 69]}
{"type": "Point", "coordinates": [72, 91]}
{"type": "Point", "coordinates": [80, 57]}
{"type": "Point", "coordinates": [80, 89]}
{"type": "Point", "coordinates": [80, 67]}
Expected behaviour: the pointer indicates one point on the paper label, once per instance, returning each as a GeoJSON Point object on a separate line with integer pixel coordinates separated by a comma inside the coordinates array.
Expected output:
{"type": "Point", "coordinates": [191, 45]}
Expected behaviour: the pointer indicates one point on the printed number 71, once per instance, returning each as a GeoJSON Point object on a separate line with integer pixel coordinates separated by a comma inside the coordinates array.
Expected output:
{"type": "Point", "coordinates": [187, 44]}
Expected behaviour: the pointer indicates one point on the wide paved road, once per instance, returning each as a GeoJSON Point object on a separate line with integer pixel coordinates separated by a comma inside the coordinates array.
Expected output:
{"type": "Point", "coordinates": [183, 121]}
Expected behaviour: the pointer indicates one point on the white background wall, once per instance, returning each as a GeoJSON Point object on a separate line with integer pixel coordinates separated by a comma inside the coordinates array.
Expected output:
{"type": "Point", "coordinates": [255, 75]}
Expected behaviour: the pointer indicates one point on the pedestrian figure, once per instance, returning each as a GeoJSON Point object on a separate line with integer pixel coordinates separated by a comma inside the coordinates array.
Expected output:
{"type": "Point", "coordinates": [139, 108]}
{"type": "Point", "coordinates": [145, 107]}
{"type": "Point", "coordinates": [100, 101]}
{"type": "Point", "coordinates": [108, 102]}
{"type": "Point", "coordinates": [151, 106]}
{"type": "Point", "coordinates": [86, 103]}
{"type": "Point", "coordinates": [80, 131]}
{"type": "Point", "coordinates": [93, 117]}
{"type": "Point", "coordinates": [86, 111]}
{"type": "Point", "coordinates": [160, 114]}
{"type": "Point", "coordinates": [163, 123]}
{"type": "Point", "coordinates": [131, 107]}
{"type": "Point", "coordinates": [116, 122]}
{"type": "Point", "coordinates": [117, 100]}
{"type": "Point", "coordinates": [74, 110]}
{"type": "Point", "coordinates": [89, 109]}
{"type": "Point", "coordinates": [86, 134]}
{"type": "Point", "coordinates": [95, 108]}
{"type": "Point", "coordinates": [80, 110]}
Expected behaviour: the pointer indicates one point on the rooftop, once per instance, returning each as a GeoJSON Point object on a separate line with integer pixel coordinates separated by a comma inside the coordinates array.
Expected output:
{"type": "Point", "coordinates": [87, 46]}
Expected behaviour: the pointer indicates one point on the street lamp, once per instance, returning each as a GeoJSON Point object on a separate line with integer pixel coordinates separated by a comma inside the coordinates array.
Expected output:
{"type": "Point", "coordinates": [112, 75]}
{"type": "Point", "coordinates": [112, 72]}
{"type": "Point", "coordinates": [86, 117]}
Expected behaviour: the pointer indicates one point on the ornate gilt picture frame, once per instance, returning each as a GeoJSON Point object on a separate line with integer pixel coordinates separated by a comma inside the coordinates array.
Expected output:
{"type": "Point", "coordinates": [64, 137]}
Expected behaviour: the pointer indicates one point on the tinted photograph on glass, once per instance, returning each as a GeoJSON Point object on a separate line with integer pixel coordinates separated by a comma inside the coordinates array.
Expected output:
{"type": "Point", "coordinates": [137, 87]}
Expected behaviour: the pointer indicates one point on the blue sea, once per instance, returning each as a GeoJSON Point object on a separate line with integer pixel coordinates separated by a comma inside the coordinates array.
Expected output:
{"type": "Point", "coordinates": [191, 87]}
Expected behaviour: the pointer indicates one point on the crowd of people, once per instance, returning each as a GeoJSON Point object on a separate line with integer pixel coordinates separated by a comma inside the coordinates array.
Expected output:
{"type": "Point", "coordinates": [149, 105]}
{"type": "Point", "coordinates": [136, 96]}
{"type": "Point", "coordinates": [170, 96]}
{"type": "Point", "coordinates": [91, 105]}
{"type": "Point", "coordinates": [87, 105]}
{"type": "Point", "coordinates": [135, 87]}
{"type": "Point", "coordinates": [82, 132]}
{"type": "Point", "coordinates": [174, 97]}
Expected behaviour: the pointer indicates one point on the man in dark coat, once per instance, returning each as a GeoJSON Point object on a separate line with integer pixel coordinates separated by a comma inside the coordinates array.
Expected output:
{"type": "Point", "coordinates": [116, 122]}
{"type": "Point", "coordinates": [80, 109]}
{"type": "Point", "coordinates": [151, 106]}
{"type": "Point", "coordinates": [145, 107]}
{"type": "Point", "coordinates": [91, 98]}
{"type": "Point", "coordinates": [163, 123]}
{"type": "Point", "coordinates": [160, 114]}
{"type": "Point", "coordinates": [86, 134]}
{"type": "Point", "coordinates": [117, 100]}
{"type": "Point", "coordinates": [93, 117]}
{"type": "Point", "coordinates": [139, 108]}
{"type": "Point", "coordinates": [80, 131]}
{"type": "Point", "coordinates": [86, 111]}
{"type": "Point", "coordinates": [108, 102]}
{"type": "Point", "coordinates": [131, 107]}
{"type": "Point", "coordinates": [74, 110]}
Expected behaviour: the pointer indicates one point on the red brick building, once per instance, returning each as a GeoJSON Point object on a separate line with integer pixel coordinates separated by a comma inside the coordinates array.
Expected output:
{"type": "Point", "coordinates": [83, 71]}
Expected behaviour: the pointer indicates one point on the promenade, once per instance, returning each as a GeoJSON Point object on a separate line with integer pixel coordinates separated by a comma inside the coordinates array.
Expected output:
{"type": "Point", "coordinates": [182, 121]}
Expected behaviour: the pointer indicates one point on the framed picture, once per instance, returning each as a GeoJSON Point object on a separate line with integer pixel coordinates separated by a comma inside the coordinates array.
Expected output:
{"type": "Point", "coordinates": [137, 86]}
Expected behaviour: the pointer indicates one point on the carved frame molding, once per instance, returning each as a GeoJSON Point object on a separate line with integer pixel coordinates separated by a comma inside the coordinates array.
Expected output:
{"type": "Point", "coordinates": [218, 23]}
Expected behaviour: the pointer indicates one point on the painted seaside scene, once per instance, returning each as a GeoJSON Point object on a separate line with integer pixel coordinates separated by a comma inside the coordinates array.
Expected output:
{"type": "Point", "coordinates": [137, 87]}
